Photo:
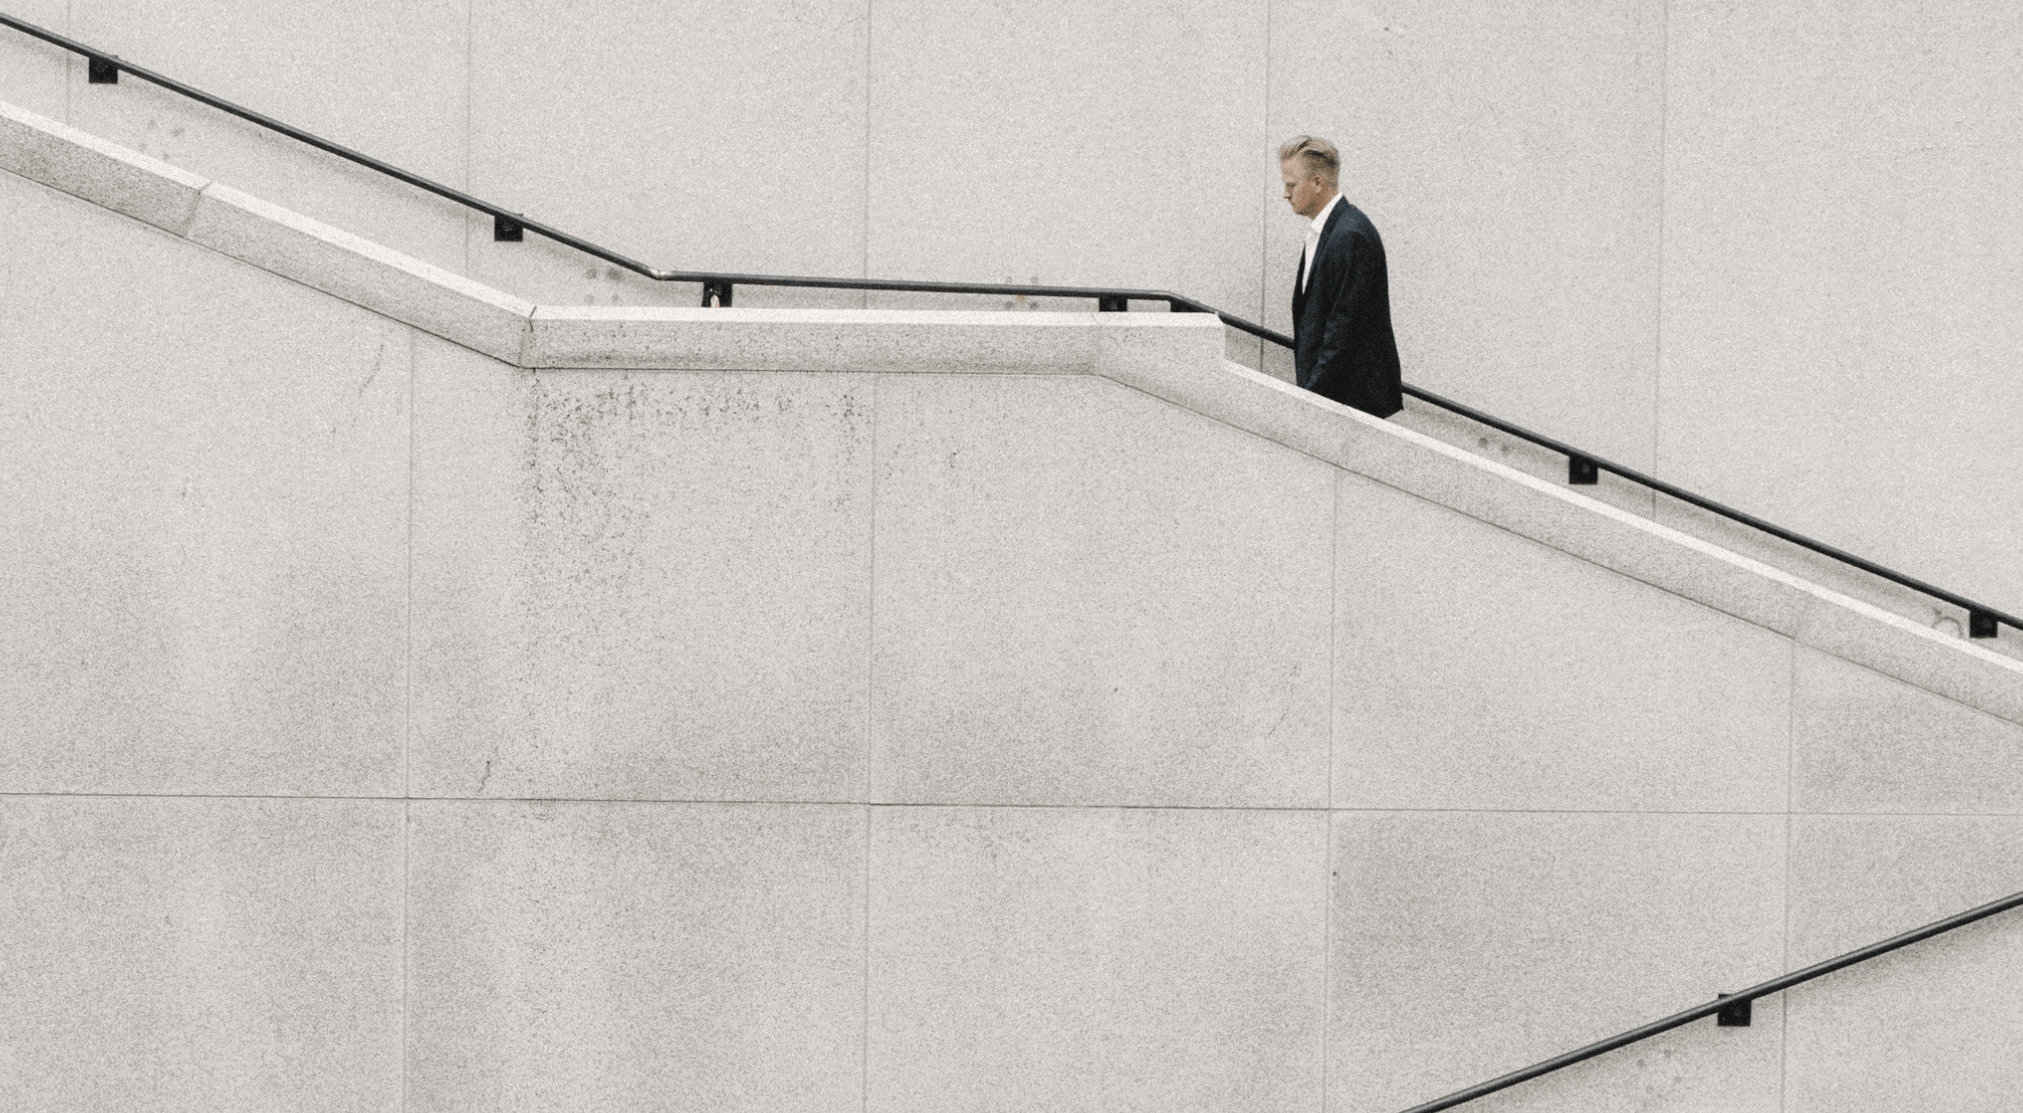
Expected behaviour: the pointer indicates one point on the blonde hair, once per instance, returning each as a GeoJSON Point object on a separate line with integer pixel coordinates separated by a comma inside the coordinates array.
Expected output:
{"type": "Point", "coordinates": [1315, 155]}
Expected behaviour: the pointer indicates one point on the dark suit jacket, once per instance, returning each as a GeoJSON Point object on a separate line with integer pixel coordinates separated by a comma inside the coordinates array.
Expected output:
{"type": "Point", "coordinates": [1342, 342]}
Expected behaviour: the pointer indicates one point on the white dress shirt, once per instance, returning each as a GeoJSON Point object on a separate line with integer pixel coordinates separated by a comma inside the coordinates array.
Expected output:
{"type": "Point", "coordinates": [1306, 266]}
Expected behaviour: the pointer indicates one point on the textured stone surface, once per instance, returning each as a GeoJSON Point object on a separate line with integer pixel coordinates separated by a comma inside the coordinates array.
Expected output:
{"type": "Point", "coordinates": [1911, 651]}
{"type": "Point", "coordinates": [632, 956]}
{"type": "Point", "coordinates": [707, 139]}
{"type": "Point", "coordinates": [383, 77]}
{"type": "Point", "coordinates": [1258, 403]}
{"type": "Point", "coordinates": [1864, 742]}
{"type": "Point", "coordinates": [82, 165]}
{"type": "Point", "coordinates": [1095, 959]}
{"type": "Point", "coordinates": [1834, 575]}
{"type": "Point", "coordinates": [1466, 945]}
{"type": "Point", "coordinates": [1524, 456]}
{"type": "Point", "coordinates": [204, 468]}
{"type": "Point", "coordinates": [1934, 1023]}
{"type": "Point", "coordinates": [1478, 669]}
{"type": "Point", "coordinates": [360, 271]}
{"type": "Point", "coordinates": [640, 585]}
{"type": "Point", "coordinates": [1510, 157]}
{"type": "Point", "coordinates": [205, 476]}
{"type": "Point", "coordinates": [1511, 153]}
{"type": "Point", "coordinates": [1155, 353]}
{"type": "Point", "coordinates": [200, 955]}
{"type": "Point", "coordinates": [1844, 264]}
{"type": "Point", "coordinates": [1085, 596]}
{"type": "Point", "coordinates": [1056, 142]}
{"type": "Point", "coordinates": [1430, 459]}
{"type": "Point", "coordinates": [1573, 523]}
{"type": "Point", "coordinates": [872, 340]}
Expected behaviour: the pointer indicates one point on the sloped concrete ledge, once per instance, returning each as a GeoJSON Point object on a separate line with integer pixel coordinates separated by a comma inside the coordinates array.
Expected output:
{"type": "Point", "coordinates": [360, 271]}
{"type": "Point", "coordinates": [1895, 646]}
{"type": "Point", "coordinates": [1176, 358]}
{"type": "Point", "coordinates": [63, 158]}
{"type": "Point", "coordinates": [1481, 488]}
{"type": "Point", "coordinates": [634, 339]}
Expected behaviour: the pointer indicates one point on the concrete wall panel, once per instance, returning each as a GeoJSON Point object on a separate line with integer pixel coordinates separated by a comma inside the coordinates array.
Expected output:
{"type": "Point", "coordinates": [200, 955]}
{"type": "Point", "coordinates": [1085, 595]}
{"type": "Point", "coordinates": [1509, 154]}
{"type": "Point", "coordinates": [1844, 273]}
{"type": "Point", "coordinates": [640, 585]}
{"type": "Point", "coordinates": [1072, 144]}
{"type": "Point", "coordinates": [31, 71]}
{"type": "Point", "coordinates": [690, 137]}
{"type": "Point", "coordinates": [1864, 742]}
{"type": "Point", "coordinates": [383, 77]}
{"type": "Point", "coordinates": [1479, 669]}
{"type": "Point", "coordinates": [206, 486]}
{"type": "Point", "coordinates": [628, 956]}
{"type": "Point", "coordinates": [1465, 945]}
{"type": "Point", "coordinates": [1934, 1022]}
{"type": "Point", "coordinates": [1095, 959]}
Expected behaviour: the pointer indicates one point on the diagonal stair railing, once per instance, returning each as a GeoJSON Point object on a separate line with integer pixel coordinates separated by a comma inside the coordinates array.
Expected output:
{"type": "Point", "coordinates": [1725, 1004]}
{"type": "Point", "coordinates": [1583, 467]}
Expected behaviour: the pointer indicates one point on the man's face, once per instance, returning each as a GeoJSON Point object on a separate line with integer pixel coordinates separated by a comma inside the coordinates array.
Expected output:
{"type": "Point", "coordinates": [1305, 192]}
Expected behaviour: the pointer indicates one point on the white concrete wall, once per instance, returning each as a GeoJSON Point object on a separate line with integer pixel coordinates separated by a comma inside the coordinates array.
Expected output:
{"type": "Point", "coordinates": [1769, 252]}
{"type": "Point", "coordinates": [769, 710]}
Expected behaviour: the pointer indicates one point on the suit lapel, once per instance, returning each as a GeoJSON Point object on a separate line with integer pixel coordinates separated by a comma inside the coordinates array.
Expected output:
{"type": "Point", "coordinates": [1299, 292]}
{"type": "Point", "coordinates": [1340, 204]}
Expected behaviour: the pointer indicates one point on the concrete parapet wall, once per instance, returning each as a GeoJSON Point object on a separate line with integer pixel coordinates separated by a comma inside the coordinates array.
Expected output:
{"type": "Point", "coordinates": [427, 700]}
{"type": "Point", "coordinates": [1767, 254]}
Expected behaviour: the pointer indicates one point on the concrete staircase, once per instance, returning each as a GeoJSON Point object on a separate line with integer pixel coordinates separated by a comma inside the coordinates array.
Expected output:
{"type": "Point", "coordinates": [426, 699]}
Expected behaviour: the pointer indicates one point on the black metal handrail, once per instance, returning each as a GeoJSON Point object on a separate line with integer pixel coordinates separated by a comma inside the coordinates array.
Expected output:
{"type": "Point", "coordinates": [1719, 1004]}
{"type": "Point", "coordinates": [1583, 467]}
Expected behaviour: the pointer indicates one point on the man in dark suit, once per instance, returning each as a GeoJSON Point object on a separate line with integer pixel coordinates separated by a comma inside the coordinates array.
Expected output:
{"type": "Point", "coordinates": [1341, 303]}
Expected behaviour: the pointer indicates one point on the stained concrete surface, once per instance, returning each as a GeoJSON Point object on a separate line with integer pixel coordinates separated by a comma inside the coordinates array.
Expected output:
{"type": "Point", "coordinates": [658, 879]}
{"type": "Point", "coordinates": [643, 585]}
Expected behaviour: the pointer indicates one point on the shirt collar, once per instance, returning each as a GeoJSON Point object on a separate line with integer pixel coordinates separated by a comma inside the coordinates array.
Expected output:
{"type": "Point", "coordinates": [1321, 218]}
